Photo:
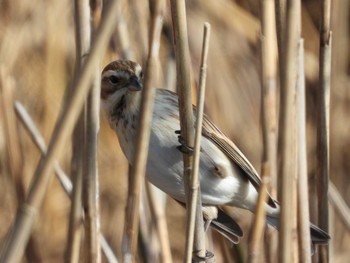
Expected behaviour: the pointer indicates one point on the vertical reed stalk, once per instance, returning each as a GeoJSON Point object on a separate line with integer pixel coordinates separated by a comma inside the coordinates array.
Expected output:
{"type": "Point", "coordinates": [157, 207]}
{"type": "Point", "coordinates": [281, 29]}
{"type": "Point", "coordinates": [323, 100]}
{"type": "Point", "coordinates": [82, 45]}
{"type": "Point", "coordinates": [142, 142]}
{"type": "Point", "coordinates": [159, 217]}
{"type": "Point", "coordinates": [27, 214]}
{"type": "Point", "coordinates": [287, 139]}
{"type": "Point", "coordinates": [269, 123]}
{"type": "Point", "coordinates": [302, 191]}
{"type": "Point", "coordinates": [183, 83]}
{"type": "Point", "coordinates": [92, 248]}
{"type": "Point", "coordinates": [195, 202]}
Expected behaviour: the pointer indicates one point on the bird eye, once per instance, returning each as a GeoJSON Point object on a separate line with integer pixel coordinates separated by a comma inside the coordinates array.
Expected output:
{"type": "Point", "coordinates": [114, 79]}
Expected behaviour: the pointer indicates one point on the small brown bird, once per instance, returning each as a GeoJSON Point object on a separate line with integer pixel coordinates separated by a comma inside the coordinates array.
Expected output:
{"type": "Point", "coordinates": [226, 176]}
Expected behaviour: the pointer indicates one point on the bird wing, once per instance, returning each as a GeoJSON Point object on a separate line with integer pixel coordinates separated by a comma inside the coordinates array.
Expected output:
{"type": "Point", "coordinates": [211, 132]}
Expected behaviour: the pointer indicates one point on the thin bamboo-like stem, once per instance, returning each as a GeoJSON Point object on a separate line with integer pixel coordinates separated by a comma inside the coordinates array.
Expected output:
{"type": "Point", "coordinates": [183, 83]}
{"type": "Point", "coordinates": [259, 219]}
{"type": "Point", "coordinates": [123, 36]}
{"type": "Point", "coordinates": [157, 207]}
{"type": "Point", "coordinates": [39, 142]}
{"type": "Point", "coordinates": [195, 202]}
{"type": "Point", "coordinates": [72, 253]}
{"type": "Point", "coordinates": [90, 194]}
{"type": "Point", "coordinates": [281, 21]}
{"type": "Point", "coordinates": [142, 142]}
{"type": "Point", "coordinates": [15, 153]}
{"type": "Point", "coordinates": [269, 123]}
{"type": "Point", "coordinates": [337, 201]}
{"type": "Point", "coordinates": [287, 138]}
{"type": "Point", "coordinates": [323, 100]}
{"type": "Point", "coordinates": [64, 180]}
{"type": "Point", "coordinates": [302, 192]}
{"type": "Point", "coordinates": [27, 214]}
{"type": "Point", "coordinates": [159, 219]}
{"type": "Point", "coordinates": [82, 45]}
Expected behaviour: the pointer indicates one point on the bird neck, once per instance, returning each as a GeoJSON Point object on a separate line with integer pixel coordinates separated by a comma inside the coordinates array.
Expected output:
{"type": "Point", "coordinates": [121, 105]}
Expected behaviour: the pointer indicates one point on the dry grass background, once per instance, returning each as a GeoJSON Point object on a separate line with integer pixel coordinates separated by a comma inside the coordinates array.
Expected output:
{"type": "Point", "coordinates": [37, 51]}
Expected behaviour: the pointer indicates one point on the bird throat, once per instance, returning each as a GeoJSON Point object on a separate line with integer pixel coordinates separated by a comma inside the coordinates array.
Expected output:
{"type": "Point", "coordinates": [118, 112]}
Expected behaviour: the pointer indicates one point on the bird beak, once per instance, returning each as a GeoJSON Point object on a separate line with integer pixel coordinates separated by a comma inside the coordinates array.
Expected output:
{"type": "Point", "coordinates": [134, 84]}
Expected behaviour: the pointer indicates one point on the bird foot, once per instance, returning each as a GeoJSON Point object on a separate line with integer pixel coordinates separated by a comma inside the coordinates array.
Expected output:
{"type": "Point", "coordinates": [183, 147]}
{"type": "Point", "coordinates": [209, 257]}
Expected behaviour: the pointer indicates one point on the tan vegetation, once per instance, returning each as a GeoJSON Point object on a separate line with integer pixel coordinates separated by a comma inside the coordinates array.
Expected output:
{"type": "Point", "coordinates": [37, 62]}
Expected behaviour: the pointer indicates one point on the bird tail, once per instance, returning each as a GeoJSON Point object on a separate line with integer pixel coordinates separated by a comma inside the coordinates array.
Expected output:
{"type": "Point", "coordinates": [318, 236]}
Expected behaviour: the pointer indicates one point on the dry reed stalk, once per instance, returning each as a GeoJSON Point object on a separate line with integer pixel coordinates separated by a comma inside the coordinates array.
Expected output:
{"type": "Point", "coordinates": [26, 215]}
{"type": "Point", "coordinates": [157, 209]}
{"type": "Point", "coordinates": [39, 142]}
{"type": "Point", "coordinates": [64, 180]}
{"type": "Point", "coordinates": [159, 219]}
{"type": "Point", "coordinates": [142, 142]}
{"type": "Point", "coordinates": [82, 45]}
{"type": "Point", "coordinates": [287, 138]}
{"type": "Point", "coordinates": [269, 124]}
{"type": "Point", "coordinates": [302, 187]}
{"type": "Point", "coordinates": [259, 218]}
{"type": "Point", "coordinates": [195, 202]}
{"type": "Point", "coordinates": [339, 204]}
{"type": "Point", "coordinates": [15, 153]}
{"type": "Point", "coordinates": [281, 29]}
{"type": "Point", "coordinates": [123, 36]}
{"type": "Point", "coordinates": [90, 193]}
{"type": "Point", "coordinates": [323, 100]}
{"type": "Point", "coordinates": [183, 83]}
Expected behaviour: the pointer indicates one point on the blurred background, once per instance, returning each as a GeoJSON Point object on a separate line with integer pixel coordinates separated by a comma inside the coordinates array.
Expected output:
{"type": "Point", "coordinates": [37, 52]}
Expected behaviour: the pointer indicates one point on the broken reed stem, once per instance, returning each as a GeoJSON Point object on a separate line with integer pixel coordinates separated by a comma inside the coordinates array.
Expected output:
{"type": "Point", "coordinates": [138, 169]}
{"type": "Point", "coordinates": [82, 45]}
{"type": "Point", "coordinates": [27, 214]}
{"type": "Point", "coordinates": [323, 100]}
{"type": "Point", "coordinates": [64, 180]}
{"type": "Point", "coordinates": [302, 183]}
{"type": "Point", "coordinates": [183, 86]}
{"type": "Point", "coordinates": [195, 219]}
{"type": "Point", "coordinates": [90, 193]}
{"type": "Point", "coordinates": [287, 138]}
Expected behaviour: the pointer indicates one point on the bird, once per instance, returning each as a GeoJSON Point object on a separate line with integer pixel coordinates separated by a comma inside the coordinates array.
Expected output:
{"type": "Point", "coordinates": [227, 178]}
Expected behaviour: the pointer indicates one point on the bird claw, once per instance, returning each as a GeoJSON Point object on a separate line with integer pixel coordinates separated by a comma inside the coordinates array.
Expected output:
{"type": "Point", "coordinates": [208, 255]}
{"type": "Point", "coordinates": [183, 147]}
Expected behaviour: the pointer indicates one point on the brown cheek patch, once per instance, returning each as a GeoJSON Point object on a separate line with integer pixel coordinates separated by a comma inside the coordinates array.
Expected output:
{"type": "Point", "coordinates": [105, 92]}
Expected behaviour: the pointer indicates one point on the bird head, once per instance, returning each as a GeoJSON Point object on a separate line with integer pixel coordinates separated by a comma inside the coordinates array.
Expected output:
{"type": "Point", "coordinates": [119, 78]}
